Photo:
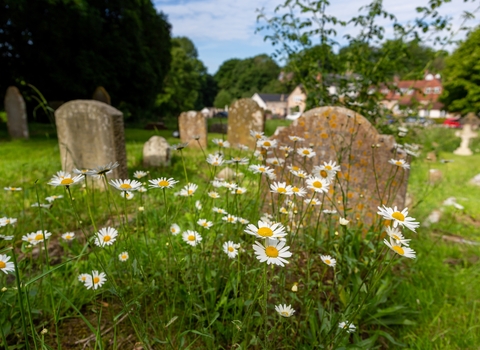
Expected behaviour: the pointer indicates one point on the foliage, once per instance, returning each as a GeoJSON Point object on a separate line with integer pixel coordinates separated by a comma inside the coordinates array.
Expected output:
{"type": "Point", "coordinates": [461, 86]}
{"type": "Point", "coordinates": [68, 48]}
{"type": "Point", "coordinates": [243, 78]}
{"type": "Point", "coordinates": [306, 34]}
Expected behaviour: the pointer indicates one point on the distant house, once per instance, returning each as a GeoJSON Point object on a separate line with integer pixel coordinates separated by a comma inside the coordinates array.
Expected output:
{"type": "Point", "coordinates": [296, 103]}
{"type": "Point", "coordinates": [275, 103]}
{"type": "Point", "coordinates": [422, 94]}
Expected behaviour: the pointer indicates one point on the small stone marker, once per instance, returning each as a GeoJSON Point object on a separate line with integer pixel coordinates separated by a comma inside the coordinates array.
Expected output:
{"type": "Point", "coordinates": [193, 124]}
{"type": "Point", "coordinates": [341, 135]}
{"type": "Point", "coordinates": [156, 152]}
{"type": "Point", "coordinates": [244, 115]}
{"type": "Point", "coordinates": [91, 134]}
{"type": "Point", "coordinates": [466, 134]}
{"type": "Point", "coordinates": [471, 119]}
{"type": "Point", "coordinates": [101, 95]}
{"type": "Point", "coordinates": [434, 176]}
{"type": "Point", "coordinates": [16, 114]}
{"type": "Point", "coordinates": [475, 180]}
{"type": "Point", "coordinates": [432, 156]}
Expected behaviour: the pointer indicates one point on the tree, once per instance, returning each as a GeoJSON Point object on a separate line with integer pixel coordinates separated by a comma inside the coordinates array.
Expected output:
{"type": "Point", "coordinates": [68, 48]}
{"type": "Point", "coordinates": [461, 77]}
{"type": "Point", "coordinates": [222, 99]}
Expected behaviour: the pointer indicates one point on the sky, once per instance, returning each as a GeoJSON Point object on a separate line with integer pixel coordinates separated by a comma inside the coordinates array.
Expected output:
{"type": "Point", "coordinates": [225, 29]}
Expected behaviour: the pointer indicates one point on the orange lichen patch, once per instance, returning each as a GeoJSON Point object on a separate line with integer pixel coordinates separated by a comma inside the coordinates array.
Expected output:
{"type": "Point", "coordinates": [350, 195]}
{"type": "Point", "coordinates": [394, 183]}
{"type": "Point", "coordinates": [302, 123]}
{"type": "Point", "coordinates": [333, 125]}
{"type": "Point", "coordinates": [351, 130]}
{"type": "Point", "coordinates": [360, 143]}
{"type": "Point", "coordinates": [387, 222]}
{"type": "Point", "coordinates": [369, 215]}
{"type": "Point", "coordinates": [360, 206]}
{"type": "Point", "coordinates": [330, 191]}
{"type": "Point", "coordinates": [383, 235]}
{"type": "Point", "coordinates": [346, 176]}
{"type": "Point", "coordinates": [324, 135]}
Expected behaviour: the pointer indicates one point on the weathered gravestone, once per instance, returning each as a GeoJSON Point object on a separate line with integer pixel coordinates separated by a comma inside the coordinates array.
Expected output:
{"type": "Point", "coordinates": [91, 134]}
{"type": "Point", "coordinates": [466, 134]}
{"type": "Point", "coordinates": [472, 120]}
{"type": "Point", "coordinates": [193, 125]}
{"type": "Point", "coordinates": [101, 95]}
{"type": "Point", "coordinates": [341, 135]}
{"type": "Point", "coordinates": [156, 152]}
{"type": "Point", "coordinates": [16, 114]}
{"type": "Point", "coordinates": [244, 115]}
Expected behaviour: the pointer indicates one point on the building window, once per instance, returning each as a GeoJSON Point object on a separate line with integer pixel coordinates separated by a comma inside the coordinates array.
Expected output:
{"type": "Point", "coordinates": [437, 90]}
{"type": "Point", "coordinates": [428, 90]}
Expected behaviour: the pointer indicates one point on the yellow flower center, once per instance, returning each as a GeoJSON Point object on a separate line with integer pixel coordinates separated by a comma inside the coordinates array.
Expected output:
{"type": "Point", "coordinates": [7, 221]}
{"type": "Point", "coordinates": [107, 238]}
{"type": "Point", "coordinates": [125, 186]}
{"type": "Point", "coordinates": [96, 279]}
{"type": "Point", "coordinates": [328, 167]}
{"type": "Point", "coordinates": [398, 216]}
{"type": "Point", "coordinates": [271, 252]}
{"type": "Point", "coordinates": [258, 136]}
{"type": "Point", "coordinates": [398, 162]}
{"type": "Point", "coordinates": [323, 173]}
{"type": "Point", "coordinates": [39, 237]}
{"type": "Point", "coordinates": [13, 188]}
{"type": "Point", "coordinates": [306, 152]}
{"type": "Point", "coordinates": [190, 191]}
{"type": "Point", "coordinates": [2, 265]}
{"type": "Point", "coordinates": [231, 250]}
{"type": "Point", "coordinates": [281, 190]}
{"type": "Point", "coordinates": [215, 163]}
{"type": "Point", "coordinates": [295, 168]}
{"type": "Point", "coordinates": [328, 262]}
{"type": "Point", "coordinates": [230, 219]}
{"type": "Point", "coordinates": [399, 249]}
{"type": "Point", "coordinates": [68, 237]}
{"type": "Point", "coordinates": [317, 184]}
{"type": "Point", "coordinates": [191, 238]}
{"type": "Point", "coordinates": [265, 232]}
{"type": "Point", "coordinates": [396, 237]}
{"type": "Point", "coordinates": [262, 169]}
{"type": "Point", "coordinates": [285, 313]}
{"type": "Point", "coordinates": [295, 189]}
{"type": "Point", "coordinates": [124, 257]}
{"type": "Point", "coordinates": [66, 181]}
{"type": "Point", "coordinates": [239, 191]}
{"type": "Point", "coordinates": [172, 230]}
{"type": "Point", "coordinates": [275, 162]}
{"type": "Point", "coordinates": [163, 183]}
{"type": "Point", "coordinates": [267, 143]}
{"type": "Point", "coordinates": [84, 278]}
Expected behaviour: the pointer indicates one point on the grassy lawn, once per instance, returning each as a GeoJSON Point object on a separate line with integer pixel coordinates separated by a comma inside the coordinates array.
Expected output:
{"type": "Point", "coordinates": [435, 298]}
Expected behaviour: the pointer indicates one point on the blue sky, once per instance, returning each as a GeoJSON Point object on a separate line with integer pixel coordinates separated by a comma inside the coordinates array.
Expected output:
{"type": "Point", "coordinates": [224, 29]}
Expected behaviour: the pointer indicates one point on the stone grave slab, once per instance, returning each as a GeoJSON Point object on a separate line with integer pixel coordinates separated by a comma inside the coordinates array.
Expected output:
{"type": "Point", "coordinates": [193, 124]}
{"type": "Point", "coordinates": [341, 135]}
{"type": "Point", "coordinates": [91, 134]}
{"type": "Point", "coordinates": [16, 114]}
{"type": "Point", "coordinates": [156, 152]}
{"type": "Point", "coordinates": [244, 115]}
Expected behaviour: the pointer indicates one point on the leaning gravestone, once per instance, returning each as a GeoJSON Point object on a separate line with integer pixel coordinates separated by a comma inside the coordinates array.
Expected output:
{"type": "Point", "coordinates": [16, 114]}
{"type": "Point", "coordinates": [156, 152]}
{"type": "Point", "coordinates": [193, 125]}
{"type": "Point", "coordinates": [101, 95]}
{"type": "Point", "coordinates": [341, 135]}
{"type": "Point", "coordinates": [91, 134]}
{"type": "Point", "coordinates": [244, 115]}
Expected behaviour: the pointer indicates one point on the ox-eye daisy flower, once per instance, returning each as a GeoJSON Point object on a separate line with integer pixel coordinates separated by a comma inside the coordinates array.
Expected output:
{"type": "Point", "coordinates": [139, 174]}
{"type": "Point", "coordinates": [219, 210]}
{"type": "Point", "coordinates": [317, 184]}
{"type": "Point", "coordinates": [399, 218]}
{"type": "Point", "coordinates": [188, 190]}
{"type": "Point", "coordinates": [400, 163]}
{"type": "Point", "coordinates": [284, 310]}
{"type": "Point", "coordinates": [243, 221]}
{"type": "Point", "coordinates": [96, 280]}
{"type": "Point", "coordinates": [231, 249]}
{"type": "Point", "coordinates": [175, 229]}
{"type": "Point", "coordinates": [275, 161]}
{"type": "Point", "coordinates": [397, 248]}
{"type": "Point", "coordinates": [36, 237]}
{"type": "Point", "coordinates": [267, 144]}
{"type": "Point", "coordinates": [348, 327]}
{"type": "Point", "coordinates": [306, 152]}
{"type": "Point", "coordinates": [312, 201]}
{"type": "Point", "coordinates": [12, 189]}
{"type": "Point", "coordinates": [299, 173]}
{"type": "Point", "coordinates": [238, 160]}
{"type": "Point", "coordinates": [53, 198]}
{"type": "Point", "coordinates": [162, 182]}
{"type": "Point", "coordinates": [69, 236]}
{"type": "Point", "coordinates": [126, 185]}
{"type": "Point", "coordinates": [397, 236]}
{"type": "Point", "coordinates": [64, 179]}
{"type": "Point", "coordinates": [123, 256]}
{"type": "Point", "coordinates": [179, 146]}
{"type": "Point", "coordinates": [84, 277]}
{"type": "Point", "coordinates": [257, 134]}
{"type": "Point", "coordinates": [106, 236]}
{"type": "Point", "coordinates": [213, 194]}
{"type": "Point", "coordinates": [198, 205]}
{"type": "Point", "coordinates": [343, 221]}
{"type": "Point", "coordinates": [7, 221]}
{"type": "Point", "coordinates": [6, 265]}
{"type": "Point", "coordinates": [6, 238]}
{"type": "Point", "coordinates": [215, 159]}
{"type": "Point", "coordinates": [103, 169]}
{"type": "Point", "coordinates": [281, 188]}
{"type": "Point", "coordinates": [239, 190]}
{"type": "Point", "coordinates": [221, 143]}
{"type": "Point", "coordinates": [261, 169]}
{"type": "Point", "coordinates": [299, 191]}
{"type": "Point", "coordinates": [230, 219]}
{"type": "Point", "coordinates": [127, 194]}
{"type": "Point", "coordinates": [192, 237]}
{"type": "Point", "coordinates": [296, 138]}
{"type": "Point", "coordinates": [204, 223]}
{"type": "Point", "coordinates": [266, 230]}
{"type": "Point", "coordinates": [83, 172]}
{"type": "Point", "coordinates": [327, 259]}
{"type": "Point", "coordinates": [273, 252]}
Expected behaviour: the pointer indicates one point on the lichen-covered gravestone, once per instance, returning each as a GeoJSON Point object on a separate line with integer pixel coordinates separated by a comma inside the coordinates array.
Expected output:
{"type": "Point", "coordinates": [156, 152]}
{"type": "Point", "coordinates": [244, 115]}
{"type": "Point", "coordinates": [341, 135]}
{"type": "Point", "coordinates": [91, 134]}
{"type": "Point", "coordinates": [101, 95]}
{"type": "Point", "coordinates": [16, 114]}
{"type": "Point", "coordinates": [192, 126]}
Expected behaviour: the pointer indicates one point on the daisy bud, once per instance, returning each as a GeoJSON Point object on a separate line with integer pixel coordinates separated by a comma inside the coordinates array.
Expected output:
{"type": "Point", "coordinates": [44, 331]}
{"type": "Point", "coordinates": [4, 289]}
{"type": "Point", "coordinates": [295, 287]}
{"type": "Point", "coordinates": [343, 221]}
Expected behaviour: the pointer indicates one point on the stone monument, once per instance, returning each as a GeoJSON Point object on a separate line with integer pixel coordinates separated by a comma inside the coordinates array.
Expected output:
{"type": "Point", "coordinates": [156, 152]}
{"type": "Point", "coordinates": [366, 180]}
{"type": "Point", "coordinates": [471, 119]}
{"type": "Point", "coordinates": [16, 114]}
{"type": "Point", "coordinates": [101, 95]}
{"type": "Point", "coordinates": [193, 125]}
{"type": "Point", "coordinates": [244, 115]}
{"type": "Point", "coordinates": [91, 134]}
{"type": "Point", "coordinates": [466, 134]}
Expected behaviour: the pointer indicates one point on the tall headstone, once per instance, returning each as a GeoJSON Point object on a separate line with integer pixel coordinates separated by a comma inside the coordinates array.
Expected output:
{"type": "Point", "coordinates": [16, 114]}
{"type": "Point", "coordinates": [101, 95]}
{"type": "Point", "coordinates": [193, 126]}
{"type": "Point", "coordinates": [466, 134]}
{"type": "Point", "coordinates": [156, 152]}
{"type": "Point", "coordinates": [91, 134]}
{"type": "Point", "coordinates": [341, 135]}
{"type": "Point", "coordinates": [244, 115]}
